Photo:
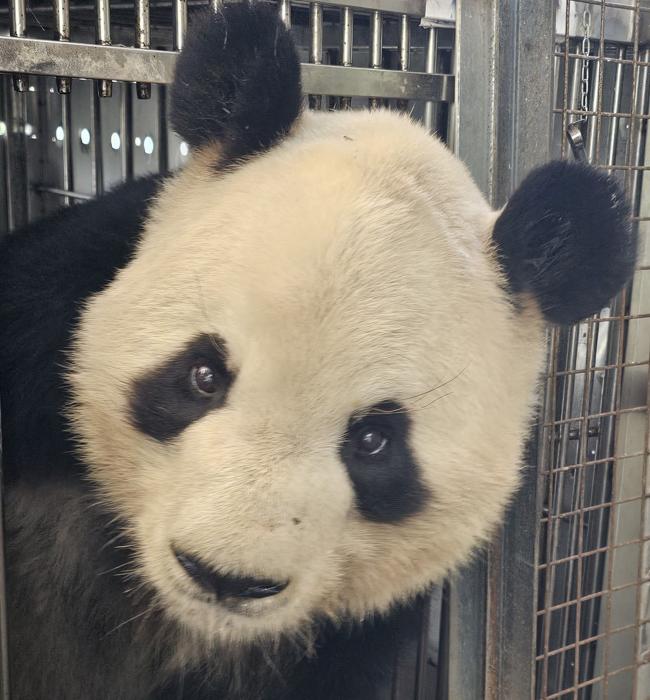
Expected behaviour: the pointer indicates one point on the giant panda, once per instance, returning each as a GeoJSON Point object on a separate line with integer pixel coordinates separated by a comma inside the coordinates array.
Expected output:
{"type": "Point", "coordinates": [252, 410]}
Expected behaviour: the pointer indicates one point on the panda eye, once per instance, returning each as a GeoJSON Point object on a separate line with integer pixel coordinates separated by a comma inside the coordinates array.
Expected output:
{"type": "Point", "coordinates": [370, 442]}
{"type": "Point", "coordinates": [204, 380]}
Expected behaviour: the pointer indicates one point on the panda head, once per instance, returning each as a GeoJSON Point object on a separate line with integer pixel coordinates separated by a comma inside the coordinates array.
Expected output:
{"type": "Point", "coordinates": [307, 394]}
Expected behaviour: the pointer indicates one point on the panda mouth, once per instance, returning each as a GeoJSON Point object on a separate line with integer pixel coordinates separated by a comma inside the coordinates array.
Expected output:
{"type": "Point", "coordinates": [227, 587]}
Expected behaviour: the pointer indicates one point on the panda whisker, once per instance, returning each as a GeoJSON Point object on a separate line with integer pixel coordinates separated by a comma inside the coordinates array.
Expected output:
{"type": "Point", "coordinates": [114, 568]}
{"type": "Point", "coordinates": [417, 397]}
{"type": "Point", "coordinates": [126, 622]}
{"type": "Point", "coordinates": [113, 540]}
{"type": "Point", "coordinates": [439, 386]}
{"type": "Point", "coordinates": [438, 398]}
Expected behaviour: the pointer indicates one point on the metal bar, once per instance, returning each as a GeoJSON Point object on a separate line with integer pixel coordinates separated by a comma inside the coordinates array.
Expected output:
{"type": "Point", "coordinates": [347, 45]}
{"type": "Point", "coordinates": [502, 130]}
{"type": "Point", "coordinates": [404, 47]}
{"type": "Point", "coordinates": [615, 121]}
{"type": "Point", "coordinates": [285, 12]}
{"type": "Point", "coordinates": [62, 24]}
{"type": "Point", "coordinates": [66, 119]}
{"type": "Point", "coordinates": [103, 28]}
{"type": "Point", "coordinates": [163, 130]}
{"type": "Point", "coordinates": [66, 194]}
{"type": "Point", "coordinates": [430, 113]}
{"type": "Point", "coordinates": [96, 144]}
{"type": "Point", "coordinates": [451, 109]}
{"type": "Point", "coordinates": [376, 26]}
{"type": "Point", "coordinates": [142, 41]}
{"type": "Point", "coordinates": [467, 615]}
{"type": "Point", "coordinates": [316, 46]}
{"type": "Point", "coordinates": [180, 25]}
{"type": "Point", "coordinates": [40, 154]}
{"type": "Point", "coordinates": [594, 121]}
{"type": "Point", "coordinates": [385, 84]}
{"type": "Point", "coordinates": [43, 57]}
{"type": "Point", "coordinates": [17, 28]}
{"type": "Point", "coordinates": [414, 8]}
{"type": "Point", "coordinates": [17, 200]}
{"type": "Point", "coordinates": [316, 28]}
{"type": "Point", "coordinates": [639, 143]}
{"type": "Point", "coordinates": [126, 130]}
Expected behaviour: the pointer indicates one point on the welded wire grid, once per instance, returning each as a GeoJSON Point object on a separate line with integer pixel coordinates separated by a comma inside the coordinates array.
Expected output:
{"type": "Point", "coordinates": [593, 617]}
{"type": "Point", "coordinates": [64, 140]}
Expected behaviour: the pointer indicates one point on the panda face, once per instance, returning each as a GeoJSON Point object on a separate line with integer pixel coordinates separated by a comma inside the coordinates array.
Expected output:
{"type": "Point", "coordinates": [306, 394]}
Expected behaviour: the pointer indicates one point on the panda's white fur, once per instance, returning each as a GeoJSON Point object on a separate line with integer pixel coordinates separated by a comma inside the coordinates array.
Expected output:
{"type": "Point", "coordinates": [348, 265]}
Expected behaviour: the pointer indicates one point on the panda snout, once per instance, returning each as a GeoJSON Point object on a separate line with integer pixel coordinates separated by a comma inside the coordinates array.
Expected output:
{"type": "Point", "coordinates": [227, 587]}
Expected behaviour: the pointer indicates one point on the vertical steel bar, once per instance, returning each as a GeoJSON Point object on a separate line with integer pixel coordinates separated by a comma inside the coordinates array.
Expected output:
{"type": "Point", "coordinates": [641, 573]}
{"type": "Point", "coordinates": [66, 123]}
{"type": "Point", "coordinates": [62, 24]}
{"type": "Point", "coordinates": [565, 91]}
{"type": "Point", "coordinates": [17, 28]}
{"type": "Point", "coordinates": [180, 23]}
{"type": "Point", "coordinates": [216, 4]}
{"type": "Point", "coordinates": [451, 108]}
{"type": "Point", "coordinates": [599, 80]}
{"type": "Point", "coordinates": [503, 130]}
{"type": "Point", "coordinates": [103, 31]}
{"type": "Point", "coordinates": [285, 12]}
{"type": "Point", "coordinates": [96, 144]}
{"type": "Point", "coordinates": [347, 43]}
{"type": "Point", "coordinates": [614, 122]}
{"type": "Point", "coordinates": [163, 130]}
{"type": "Point", "coordinates": [316, 45]}
{"type": "Point", "coordinates": [430, 108]}
{"type": "Point", "coordinates": [637, 126]}
{"type": "Point", "coordinates": [142, 41]}
{"type": "Point", "coordinates": [126, 130]}
{"type": "Point", "coordinates": [376, 24]}
{"type": "Point", "coordinates": [404, 47]}
{"type": "Point", "coordinates": [593, 139]}
{"type": "Point", "coordinates": [15, 110]}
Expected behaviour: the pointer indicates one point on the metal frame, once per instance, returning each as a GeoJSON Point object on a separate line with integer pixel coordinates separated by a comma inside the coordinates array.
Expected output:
{"type": "Point", "coordinates": [502, 130]}
{"type": "Point", "coordinates": [42, 57]}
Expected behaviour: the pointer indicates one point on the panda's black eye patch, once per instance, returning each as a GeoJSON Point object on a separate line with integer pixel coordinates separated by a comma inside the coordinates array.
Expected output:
{"type": "Point", "coordinates": [172, 396]}
{"type": "Point", "coordinates": [379, 460]}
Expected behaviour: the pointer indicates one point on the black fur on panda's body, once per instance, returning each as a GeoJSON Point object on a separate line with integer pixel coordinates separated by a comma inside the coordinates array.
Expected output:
{"type": "Point", "coordinates": [334, 525]}
{"type": "Point", "coordinates": [75, 633]}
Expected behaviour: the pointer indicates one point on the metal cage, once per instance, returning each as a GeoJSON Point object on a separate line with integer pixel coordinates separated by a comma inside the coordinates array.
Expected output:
{"type": "Point", "coordinates": [558, 605]}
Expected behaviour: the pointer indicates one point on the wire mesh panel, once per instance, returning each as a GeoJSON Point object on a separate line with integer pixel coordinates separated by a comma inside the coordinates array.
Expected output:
{"type": "Point", "coordinates": [593, 633]}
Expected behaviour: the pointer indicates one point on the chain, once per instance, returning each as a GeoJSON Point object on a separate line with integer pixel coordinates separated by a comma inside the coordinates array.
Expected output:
{"type": "Point", "coordinates": [586, 51]}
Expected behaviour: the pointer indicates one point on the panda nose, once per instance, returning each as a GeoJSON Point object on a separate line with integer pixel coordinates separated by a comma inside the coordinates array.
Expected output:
{"type": "Point", "coordinates": [227, 586]}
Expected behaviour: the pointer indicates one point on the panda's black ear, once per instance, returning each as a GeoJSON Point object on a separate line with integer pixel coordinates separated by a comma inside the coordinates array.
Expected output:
{"type": "Point", "coordinates": [566, 238]}
{"type": "Point", "coordinates": [237, 81]}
